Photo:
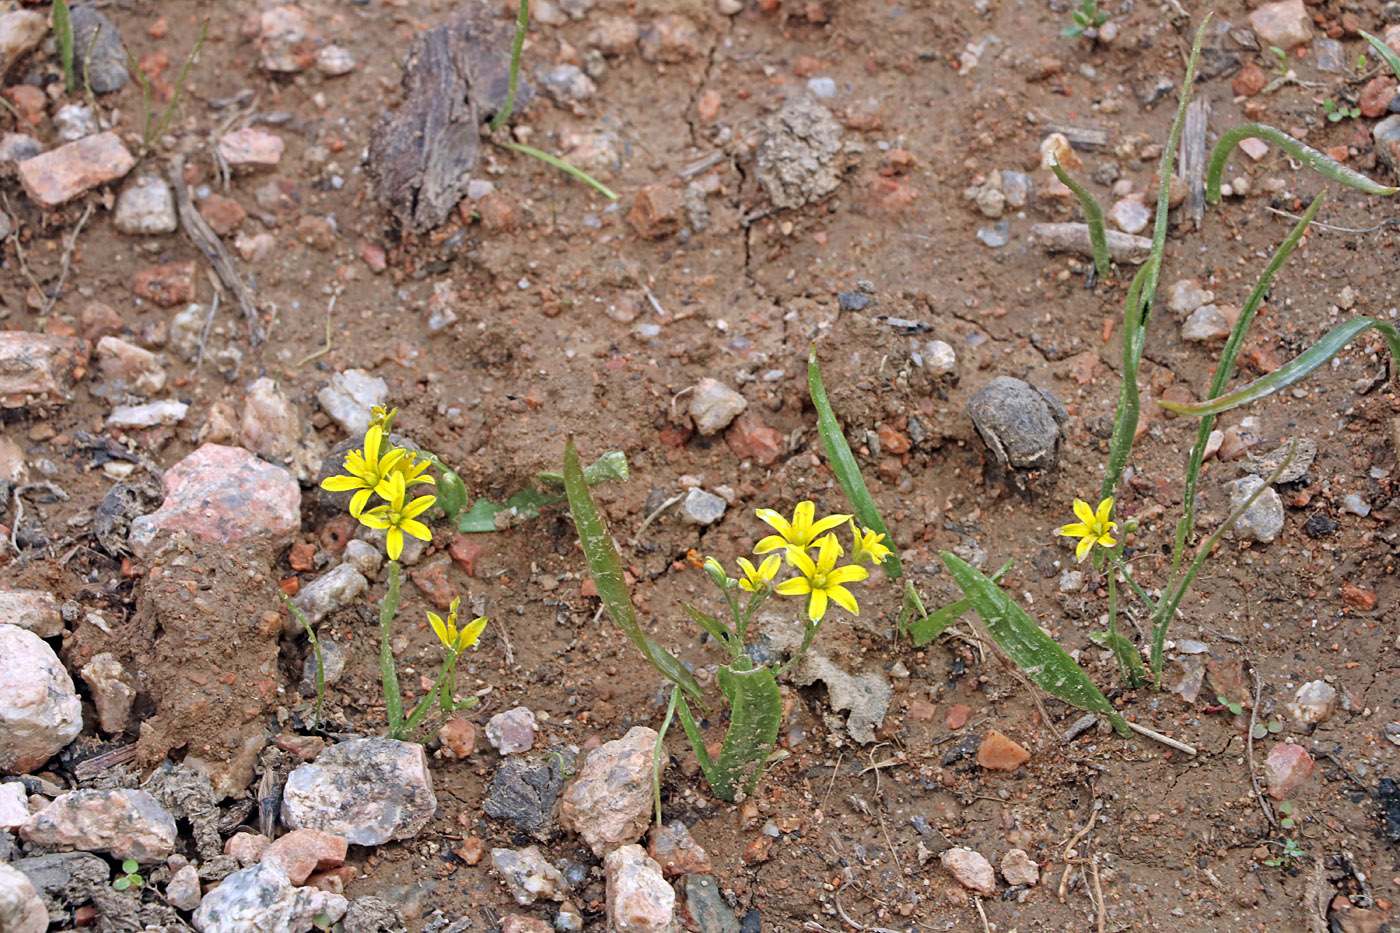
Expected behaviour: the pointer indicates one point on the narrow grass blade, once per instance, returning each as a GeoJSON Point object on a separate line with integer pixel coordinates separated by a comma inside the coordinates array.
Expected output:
{"type": "Point", "coordinates": [659, 749]}
{"type": "Point", "coordinates": [563, 166]}
{"type": "Point", "coordinates": [611, 466]}
{"type": "Point", "coordinates": [1034, 652]}
{"type": "Point", "coordinates": [1167, 605]}
{"type": "Point", "coordinates": [1224, 368]}
{"type": "Point", "coordinates": [755, 713]}
{"type": "Point", "coordinates": [697, 741]}
{"type": "Point", "coordinates": [1143, 291]}
{"type": "Point", "coordinates": [63, 38]}
{"type": "Point", "coordinates": [522, 23]}
{"type": "Point", "coordinates": [606, 569]}
{"type": "Point", "coordinates": [180, 82]}
{"type": "Point", "coordinates": [935, 623]}
{"type": "Point", "coordinates": [1093, 216]}
{"type": "Point", "coordinates": [1384, 51]}
{"type": "Point", "coordinates": [1310, 158]}
{"type": "Point", "coordinates": [843, 464]}
{"type": "Point", "coordinates": [316, 647]}
{"type": "Point", "coordinates": [911, 609]}
{"type": "Point", "coordinates": [1294, 370]}
{"type": "Point", "coordinates": [388, 673]}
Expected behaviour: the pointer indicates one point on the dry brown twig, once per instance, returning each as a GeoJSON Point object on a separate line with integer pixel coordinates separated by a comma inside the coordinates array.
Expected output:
{"type": "Point", "coordinates": [72, 244]}
{"type": "Point", "coordinates": [1249, 745]}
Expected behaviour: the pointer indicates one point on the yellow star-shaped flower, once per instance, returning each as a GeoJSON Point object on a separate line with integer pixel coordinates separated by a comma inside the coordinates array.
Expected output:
{"type": "Point", "coordinates": [755, 579]}
{"type": "Point", "coordinates": [867, 546]}
{"type": "Point", "coordinates": [796, 537]}
{"type": "Point", "coordinates": [821, 580]}
{"type": "Point", "coordinates": [1093, 528]}
{"type": "Point", "coordinates": [367, 470]}
{"type": "Point", "coordinates": [397, 517]}
{"type": "Point", "coordinates": [452, 639]}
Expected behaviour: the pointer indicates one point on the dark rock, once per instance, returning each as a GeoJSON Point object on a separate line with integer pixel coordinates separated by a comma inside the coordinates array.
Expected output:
{"type": "Point", "coordinates": [104, 58]}
{"type": "Point", "coordinates": [751, 923]}
{"type": "Point", "coordinates": [523, 793]}
{"type": "Point", "coordinates": [65, 879]}
{"type": "Point", "coordinates": [1319, 525]}
{"type": "Point", "coordinates": [1389, 795]}
{"type": "Point", "coordinates": [1019, 422]}
{"type": "Point", "coordinates": [966, 747]}
{"type": "Point", "coordinates": [707, 907]}
{"type": "Point", "coordinates": [123, 503]}
{"type": "Point", "coordinates": [1152, 89]}
{"type": "Point", "coordinates": [853, 301]}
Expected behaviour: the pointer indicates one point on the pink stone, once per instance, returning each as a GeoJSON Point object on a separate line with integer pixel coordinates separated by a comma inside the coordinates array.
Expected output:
{"type": "Point", "coordinates": [62, 174]}
{"type": "Point", "coordinates": [750, 439]}
{"type": "Point", "coordinates": [638, 897]}
{"type": "Point", "coordinates": [458, 738]}
{"type": "Point", "coordinates": [515, 923]}
{"type": "Point", "coordinates": [513, 731]}
{"type": "Point", "coordinates": [23, 911]}
{"type": "Point", "coordinates": [676, 852]}
{"type": "Point", "coordinates": [126, 367]}
{"type": "Point", "coordinates": [130, 824]}
{"type": "Point", "coordinates": [1256, 149]}
{"type": "Point", "coordinates": [224, 495]}
{"type": "Point", "coordinates": [251, 148]}
{"type": "Point", "coordinates": [1285, 770]}
{"type": "Point", "coordinates": [33, 610]}
{"type": "Point", "coordinates": [610, 802]}
{"type": "Point", "coordinates": [39, 369]}
{"type": "Point", "coordinates": [1285, 24]}
{"type": "Point", "coordinates": [39, 711]}
{"type": "Point", "coordinates": [286, 38]}
{"type": "Point", "coordinates": [303, 851]}
{"type": "Point", "coordinates": [971, 870]}
{"type": "Point", "coordinates": [246, 847]}
{"type": "Point", "coordinates": [1018, 868]}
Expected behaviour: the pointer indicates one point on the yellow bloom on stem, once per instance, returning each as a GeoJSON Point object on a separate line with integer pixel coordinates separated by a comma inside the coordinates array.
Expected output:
{"type": "Point", "coordinates": [756, 579]}
{"type": "Point", "coordinates": [821, 580]}
{"type": "Point", "coordinates": [411, 469]}
{"type": "Point", "coordinates": [798, 536]}
{"type": "Point", "coordinates": [1092, 528]}
{"type": "Point", "coordinates": [383, 417]}
{"type": "Point", "coordinates": [368, 471]}
{"type": "Point", "coordinates": [447, 633]}
{"type": "Point", "coordinates": [396, 517]}
{"type": "Point", "coordinates": [867, 545]}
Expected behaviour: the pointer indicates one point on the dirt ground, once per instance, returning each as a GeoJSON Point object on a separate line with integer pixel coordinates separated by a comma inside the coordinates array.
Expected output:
{"type": "Point", "coordinates": [568, 319]}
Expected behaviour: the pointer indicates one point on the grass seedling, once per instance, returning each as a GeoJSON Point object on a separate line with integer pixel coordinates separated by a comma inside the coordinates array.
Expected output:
{"type": "Point", "coordinates": [1282, 57]}
{"type": "Point", "coordinates": [522, 24]}
{"type": "Point", "coordinates": [1093, 215]}
{"type": "Point", "coordinates": [316, 649]}
{"type": "Point", "coordinates": [808, 546]}
{"type": "Point", "coordinates": [1386, 53]}
{"type": "Point", "coordinates": [1087, 19]}
{"type": "Point", "coordinates": [153, 129]}
{"type": "Point", "coordinates": [130, 876]}
{"type": "Point", "coordinates": [63, 38]}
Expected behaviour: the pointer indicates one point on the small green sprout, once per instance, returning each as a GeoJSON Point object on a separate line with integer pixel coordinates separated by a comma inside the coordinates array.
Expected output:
{"type": "Point", "coordinates": [1282, 57]}
{"type": "Point", "coordinates": [1263, 730]}
{"type": "Point", "coordinates": [1286, 808]}
{"type": "Point", "coordinates": [1231, 705]}
{"type": "Point", "coordinates": [1292, 854]}
{"type": "Point", "coordinates": [1337, 113]}
{"type": "Point", "coordinates": [1361, 62]}
{"type": "Point", "coordinates": [131, 877]}
{"type": "Point", "coordinates": [1087, 19]}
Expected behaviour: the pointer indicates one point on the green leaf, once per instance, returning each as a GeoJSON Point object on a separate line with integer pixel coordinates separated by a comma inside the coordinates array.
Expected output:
{"type": "Point", "coordinates": [130, 866]}
{"type": "Point", "coordinates": [697, 743]}
{"type": "Point", "coordinates": [935, 623]}
{"type": "Point", "coordinates": [843, 464]}
{"type": "Point", "coordinates": [1310, 158]}
{"type": "Point", "coordinates": [755, 713]}
{"type": "Point", "coordinates": [1386, 53]}
{"type": "Point", "coordinates": [525, 504]}
{"type": "Point", "coordinates": [717, 629]}
{"type": "Point", "coordinates": [451, 494]}
{"type": "Point", "coordinates": [1034, 652]}
{"type": "Point", "coordinates": [388, 673]}
{"type": "Point", "coordinates": [63, 38]}
{"type": "Point", "coordinates": [1093, 216]}
{"type": "Point", "coordinates": [121, 884]}
{"type": "Point", "coordinates": [611, 466]}
{"type": "Point", "coordinates": [1129, 658]}
{"type": "Point", "coordinates": [1294, 370]}
{"type": "Point", "coordinates": [1072, 32]}
{"type": "Point", "coordinates": [606, 568]}
{"type": "Point", "coordinates": [1260, 730]}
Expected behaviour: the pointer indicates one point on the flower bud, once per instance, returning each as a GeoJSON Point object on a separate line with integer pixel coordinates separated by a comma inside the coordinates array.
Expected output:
{"type": "Point", "coordinates": [716, 571]}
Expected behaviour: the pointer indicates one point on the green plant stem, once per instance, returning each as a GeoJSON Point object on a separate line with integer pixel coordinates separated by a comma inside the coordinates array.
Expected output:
{"type": "Point", "coordinates": [562, 165]}
{"type": "Point", "coordinates": [180, 84]}
{"type": "Point", "coordinates": [1093, 216]}
{"type": "Point", "coordinates": [522, 23]}
{"type": "Point", "coordinates": [1224, 368]}
{"type": "Point", "coordinates": [1143, 290]}
{"type": "Point", "coordinates": [1310, 158]}
{"type": "Point", "coordinates": [429, 699]}
{"type": "Point", "coordinates": [659, 749]}
{"type": "Point", "coordinates": [808, 636]}
{"type": "Point", "coordinates": [1170, 601]}
{"type": "Point", "coordinates": [315, 647]}
{"type": "Point", "coordinates": [388, 673]}
{"type": "Point", "coordinates": [63, 38]}
{"type": "Point", "coordinates": [697, 742]}
{"type": "Point", "coordinates": [1113, 623]}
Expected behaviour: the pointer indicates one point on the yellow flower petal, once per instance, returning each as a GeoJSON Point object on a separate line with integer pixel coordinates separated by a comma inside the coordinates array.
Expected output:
{"type": "Point", "coordinates": [828, 523]}
{"type": "Point", "coordinates": [797, 586]}
{"type": "Point", "coordinates": [843, 598]}
{"type": "Point", "coordinates": [342, 483]}
{"type": "Point", "coordinates": [417, 529]}
{"type": "Point", "coordinates": [769, 570]}
{"type": "Point", "coordinates": [439, 627]}
{"type": "Point", "coordinates": [1085, 545]}
{"type": "Point", "coordinates": [848, 574]}
{"type": "Point", "coordinates": [770, 543]}
{"type": "Point", "coordinates": [1106, 540]}
{"type": "Point", "coordinates": [828, 550]}
{"type": "Point", "coordinates": [802, 516]}
{"type": "Point", "coordinates": [372, 520]}
{"type": "Point", "coordinates": [418, 506]}
{"type": "Point", "coordinates": [1105, 510]}
{"type": "Point", "coordinates": [1083, 512]}
{"type": "Point", "coordinates": [357, 502]}
{"type": "Point", "coordinates": [816, 605]}
{"type": "Point", "coordinates": [393, 542]}
{"type": "Point", "coordinates": [471, 633]}
{"type": "Point", "coordinates": [802, 562]}
{"type": "Point", "coordinates": [778, 523]}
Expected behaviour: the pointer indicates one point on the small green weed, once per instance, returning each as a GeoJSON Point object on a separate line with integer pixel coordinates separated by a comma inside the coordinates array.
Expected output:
{"type": "Point", "coordinates": [153, 128]}
{"type": "Point", "coordinates": [1292, 853]}
{"type": "Point", "coordinates": [1265, 729]}
{"type": "Point", "coordinates": [1336, 113]}
{"type": "Point", "coordinates": [1087, 19]}
{"type": "Point", "coordinates": [1235, 709]}
{"type": "Point", "coordinates": [1282, 57]}
{"type": "Point", "coordinates": [1286, 808]}
{"type": "Point", "coordinates": [130, 877]}
{"type": "Point", "coordinates": [63, 38]}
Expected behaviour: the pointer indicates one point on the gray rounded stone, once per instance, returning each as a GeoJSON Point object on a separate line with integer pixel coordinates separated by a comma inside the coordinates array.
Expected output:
{"type": "Point", "coordinates": [368, 790]}
{"type": "Point", "coordinates": [1020, 423]}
